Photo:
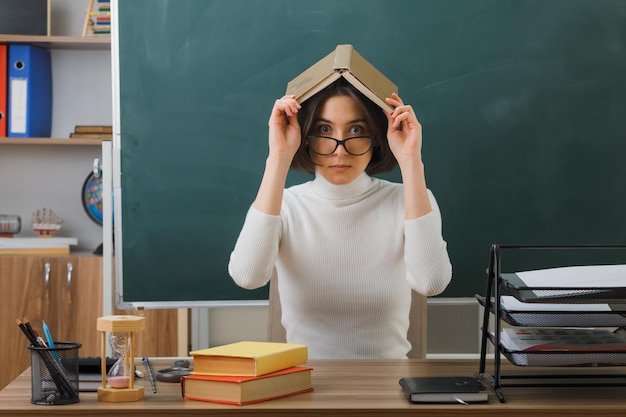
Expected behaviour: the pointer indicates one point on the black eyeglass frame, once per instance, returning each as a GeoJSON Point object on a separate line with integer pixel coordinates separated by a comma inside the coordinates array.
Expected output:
{"type": "Point", "coordinates": [340, 142]}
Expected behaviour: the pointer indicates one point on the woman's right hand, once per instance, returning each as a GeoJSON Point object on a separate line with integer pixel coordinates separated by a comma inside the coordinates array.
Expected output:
{"type": "Point", "coordinates": [284, 129]}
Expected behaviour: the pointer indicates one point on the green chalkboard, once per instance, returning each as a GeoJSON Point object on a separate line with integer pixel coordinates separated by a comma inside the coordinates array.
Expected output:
{"type": "Point", "coordinates": [522, 102]}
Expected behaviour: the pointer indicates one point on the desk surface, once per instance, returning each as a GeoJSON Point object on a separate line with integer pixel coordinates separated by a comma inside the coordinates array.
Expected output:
{"type": "Point", "coordinates": [342, 387]}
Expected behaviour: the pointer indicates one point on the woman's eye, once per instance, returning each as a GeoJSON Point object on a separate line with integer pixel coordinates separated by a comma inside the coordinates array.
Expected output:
{"type": "Point", "coordinates": [356, 130]}
{"type": "Point", "coordinates": [324, 129]}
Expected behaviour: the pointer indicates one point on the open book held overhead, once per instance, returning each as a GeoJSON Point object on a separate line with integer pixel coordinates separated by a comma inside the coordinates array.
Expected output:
{"type": "Point", "coordinates": [344, 62]}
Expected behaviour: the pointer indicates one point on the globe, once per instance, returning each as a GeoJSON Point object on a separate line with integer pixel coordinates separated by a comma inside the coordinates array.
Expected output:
{"type": "Point", "coordinates": [92, 197]}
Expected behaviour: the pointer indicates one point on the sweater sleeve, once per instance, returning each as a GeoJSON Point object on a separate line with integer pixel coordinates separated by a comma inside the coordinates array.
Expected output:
{"type": "Point", "coordinates": [252, 261]}
{"type": "Point", "coordinates": [429, 270]}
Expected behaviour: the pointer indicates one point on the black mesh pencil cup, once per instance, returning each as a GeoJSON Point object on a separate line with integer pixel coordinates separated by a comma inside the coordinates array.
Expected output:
{"type": "Point", "coordinates": [55, 374]}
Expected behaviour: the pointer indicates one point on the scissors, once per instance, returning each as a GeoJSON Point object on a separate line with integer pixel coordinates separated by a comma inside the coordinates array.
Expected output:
{"type": "Point", "coordinates": [175, 372]}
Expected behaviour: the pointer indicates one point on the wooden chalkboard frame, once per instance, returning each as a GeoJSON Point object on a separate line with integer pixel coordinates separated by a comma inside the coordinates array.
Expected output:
{"type": "Point", "coordinates": [522, 106]}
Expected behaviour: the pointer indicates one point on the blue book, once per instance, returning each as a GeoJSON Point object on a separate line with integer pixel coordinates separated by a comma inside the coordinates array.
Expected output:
{"type": "Point", "coordinates": [29, 104]}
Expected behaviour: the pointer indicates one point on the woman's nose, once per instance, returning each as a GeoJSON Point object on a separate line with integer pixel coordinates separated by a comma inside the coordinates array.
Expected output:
{"type": "Point", "coordinates": [341, 147]}
{"type": "Point", "coordinates": [341, 150]}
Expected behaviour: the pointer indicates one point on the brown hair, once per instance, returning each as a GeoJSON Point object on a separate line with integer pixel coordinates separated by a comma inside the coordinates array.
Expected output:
{"type": "Point", "coordinates": [382, 157]}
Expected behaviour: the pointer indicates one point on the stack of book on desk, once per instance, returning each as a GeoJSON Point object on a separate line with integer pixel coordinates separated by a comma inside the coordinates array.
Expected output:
{"type": "Point", "coordinates": [248, 372]}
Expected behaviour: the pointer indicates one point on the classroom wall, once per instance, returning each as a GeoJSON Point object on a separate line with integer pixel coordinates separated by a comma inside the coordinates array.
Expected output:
{"type": "Point", "coordinates": [34, 177]}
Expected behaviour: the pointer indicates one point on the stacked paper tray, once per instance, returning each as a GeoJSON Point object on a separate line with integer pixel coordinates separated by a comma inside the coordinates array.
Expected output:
{"type": "Point", "coordinates": [562, 358]}
{"type": "Point", "coordinates": [576, 284]}
{"type": "Point", "coordinates": [517, 313]}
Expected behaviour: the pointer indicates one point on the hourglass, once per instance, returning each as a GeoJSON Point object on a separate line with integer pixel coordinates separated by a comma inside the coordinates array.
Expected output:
{"type": "Point", "coordinates": [119, 384]}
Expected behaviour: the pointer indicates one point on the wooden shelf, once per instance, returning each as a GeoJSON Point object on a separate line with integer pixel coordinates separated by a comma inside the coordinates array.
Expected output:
{"type": "Point", "coordinates": [51, 141]}
{"type": "Point", "coordinates": [57, 42]}
{"type": "Point", "coordinates": [61, 42]}
{"type": "Point", "coordinates": [81, 253]}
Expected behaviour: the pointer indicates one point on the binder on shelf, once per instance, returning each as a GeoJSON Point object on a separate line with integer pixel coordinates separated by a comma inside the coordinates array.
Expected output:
{"type": "Point", "coordinates": [30, 92]}
{"type": "Point", "coordinates": [3, 90]}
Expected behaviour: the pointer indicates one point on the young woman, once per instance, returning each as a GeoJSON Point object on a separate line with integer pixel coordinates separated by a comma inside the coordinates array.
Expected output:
{"type": "Point", "coordinates": [346, 247]}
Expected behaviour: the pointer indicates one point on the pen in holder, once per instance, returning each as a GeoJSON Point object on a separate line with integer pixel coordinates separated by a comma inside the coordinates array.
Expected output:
{"type": "Point", "coordinates": [55, 373]}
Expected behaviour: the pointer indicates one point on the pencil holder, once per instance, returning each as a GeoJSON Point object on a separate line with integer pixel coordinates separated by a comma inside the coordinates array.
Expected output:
{"type": "Point", "coordinates": [54, 373]}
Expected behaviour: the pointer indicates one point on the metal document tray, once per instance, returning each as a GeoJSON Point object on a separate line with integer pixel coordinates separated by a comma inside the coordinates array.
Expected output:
{"type": "Point", "coordinates": [615, 318]}
{"type": "Point", "coordinates": [518, 289]}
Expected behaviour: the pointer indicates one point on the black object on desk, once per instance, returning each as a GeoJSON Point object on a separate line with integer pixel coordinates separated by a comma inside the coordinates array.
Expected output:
{"type": "Point", "coordinates": [444, 389]}
{"type": "Point", "coordinates": [93, 364]}
{"type": "Point", "coordinates": [175, 372]}
{"type": "Point", "coordinates": [89, 372]}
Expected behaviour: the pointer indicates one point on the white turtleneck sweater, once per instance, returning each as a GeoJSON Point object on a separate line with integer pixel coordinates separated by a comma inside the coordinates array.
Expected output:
{"type": "Point", "coordinates": [346, 260]}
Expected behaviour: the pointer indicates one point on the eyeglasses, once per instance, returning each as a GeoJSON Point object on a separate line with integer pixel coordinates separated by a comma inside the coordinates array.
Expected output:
{"type": "Point", "coordinates": [325, 145]}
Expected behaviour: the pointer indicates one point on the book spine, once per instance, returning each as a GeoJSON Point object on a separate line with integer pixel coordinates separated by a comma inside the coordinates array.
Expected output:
{"type": "Point", "coordinates": [343, 58]}
{"type": "Point", "coordinates": [220, 401]}
{"type": "Point", "coordinates": [91, 135]}
{"type": "Point", "coordinates": [93, 129]}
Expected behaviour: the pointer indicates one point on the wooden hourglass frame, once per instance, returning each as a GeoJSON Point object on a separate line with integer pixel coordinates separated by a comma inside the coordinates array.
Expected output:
{"type": "Point", "coordinates": [127, 325]}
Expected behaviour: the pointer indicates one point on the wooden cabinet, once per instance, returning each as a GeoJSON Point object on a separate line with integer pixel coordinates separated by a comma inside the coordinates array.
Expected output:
{"type": "Point", "coordinates": [66, 292]}
{"type": "Point", "coordinates": [79, 301]}
{"type": "Point", "coordinates": [46, 288]}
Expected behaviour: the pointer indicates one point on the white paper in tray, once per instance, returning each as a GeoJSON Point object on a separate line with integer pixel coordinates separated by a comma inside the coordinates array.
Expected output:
{"type": "Point", "coordinates": [512, 304]}
{"type": "Point", "coordinates": [587, 276]}
{"type": "Point", "coordinates": [594, 277]}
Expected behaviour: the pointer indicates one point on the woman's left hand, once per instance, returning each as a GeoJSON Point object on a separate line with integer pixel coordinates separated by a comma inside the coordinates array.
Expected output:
{"type": "Point", "coordinates": [404, 132]}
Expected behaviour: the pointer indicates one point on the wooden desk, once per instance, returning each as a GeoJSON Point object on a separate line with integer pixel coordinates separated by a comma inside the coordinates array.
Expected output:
{"type": "Point", "coordinates": [359, 388]}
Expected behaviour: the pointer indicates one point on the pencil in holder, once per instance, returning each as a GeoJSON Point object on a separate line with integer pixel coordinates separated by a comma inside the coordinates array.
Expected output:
{"type": "Point", "coordinates": [54, 373]}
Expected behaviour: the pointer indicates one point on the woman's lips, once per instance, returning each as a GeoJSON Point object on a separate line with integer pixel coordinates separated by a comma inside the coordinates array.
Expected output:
{"type": "Point", "coordinates": [339, 168]}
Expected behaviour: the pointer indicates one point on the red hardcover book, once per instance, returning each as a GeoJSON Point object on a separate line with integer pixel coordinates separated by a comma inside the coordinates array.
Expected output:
{"type": "Point", "coordinates": [242, 390]}
{"type": "Point", "coordinates": [3, 90]}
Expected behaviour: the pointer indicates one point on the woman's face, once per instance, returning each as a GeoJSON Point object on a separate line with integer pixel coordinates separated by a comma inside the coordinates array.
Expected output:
{"type": "Point", "coordinates": [341, 119]}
